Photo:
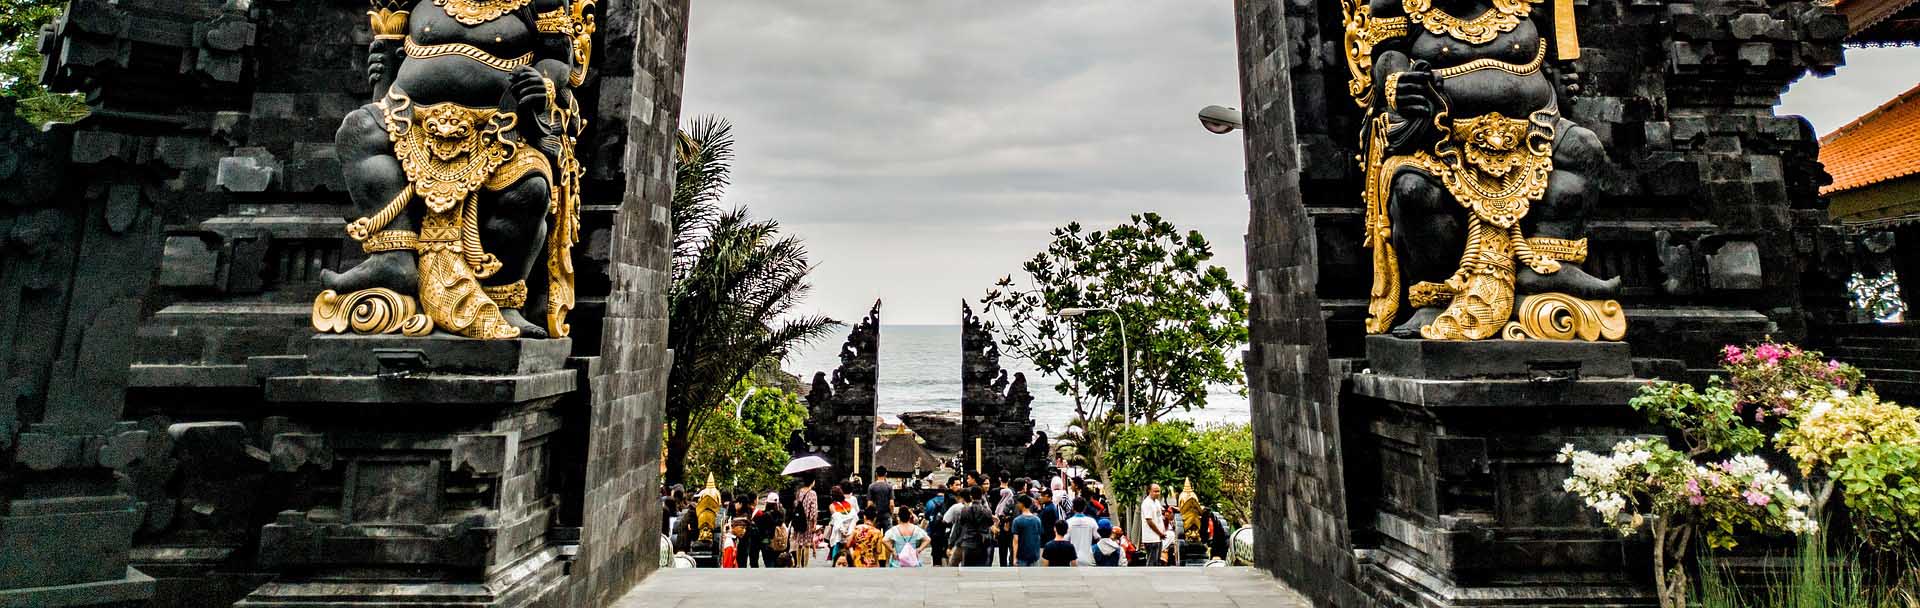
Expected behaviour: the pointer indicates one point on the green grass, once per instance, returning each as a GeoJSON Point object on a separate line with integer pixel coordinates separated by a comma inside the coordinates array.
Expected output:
{"type": "Point", "coordinates": [1815, 578]}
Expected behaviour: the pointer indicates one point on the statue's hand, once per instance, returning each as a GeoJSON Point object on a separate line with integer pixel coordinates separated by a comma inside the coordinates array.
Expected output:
{"type": "Point", "coordinates": [1413, 94]}
{"type": "Point", "coordinates": [1412, 109]}
{"type": "Point", "coordinates": [530, 93]}
{"type": "Point", "coordinates": [376, 67]}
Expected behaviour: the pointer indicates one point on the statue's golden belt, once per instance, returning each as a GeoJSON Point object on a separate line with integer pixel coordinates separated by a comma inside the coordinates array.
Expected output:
{"type": "Point", "coordinates": [425, 51]}
{"type": "Point", "coordinates": [1500, 165]}
{"type": "Point", "coordinates": [1528, 69]}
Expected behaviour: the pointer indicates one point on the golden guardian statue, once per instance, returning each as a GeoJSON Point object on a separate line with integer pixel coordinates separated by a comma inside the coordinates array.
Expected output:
{"type": "Point", "coordinates": [1477, 190]}
{"type": "Point", "coordinates": [465, 164]}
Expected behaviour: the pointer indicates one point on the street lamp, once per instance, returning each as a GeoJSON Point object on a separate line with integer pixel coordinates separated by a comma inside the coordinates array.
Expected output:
{"type": "Point", "coordinates": [740, 408]}
{"type": "Point", "coordinates": [1126, 358]}
{"type": "Point", "coordinates": [1221, 120]}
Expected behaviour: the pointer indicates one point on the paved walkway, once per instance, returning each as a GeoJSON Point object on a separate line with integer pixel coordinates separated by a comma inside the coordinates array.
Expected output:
{"type": "Point", "coordinates": [963, 587]}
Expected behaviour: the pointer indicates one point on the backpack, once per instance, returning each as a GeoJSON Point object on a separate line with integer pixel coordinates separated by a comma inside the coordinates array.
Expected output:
{"type": "Point", "coordinates": [779, 541]}
{"type": "Point", "coordinates": [936, 515]}
{"type": "Point", "coordinates": [909, 557]}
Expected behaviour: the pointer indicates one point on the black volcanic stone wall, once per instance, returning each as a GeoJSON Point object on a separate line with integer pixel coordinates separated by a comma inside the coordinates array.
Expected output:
{"type": "Point", "coordinates": [1300, 515]}
{"type": "Point", "coordinates": [1710, 216]}
{"type": "Point", "coordinates": [620, 535]}
{"type": "Point", "coordinates": [160, 258]}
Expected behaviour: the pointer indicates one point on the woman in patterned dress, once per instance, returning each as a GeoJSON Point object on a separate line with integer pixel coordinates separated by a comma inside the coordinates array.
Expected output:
{"type": "Point", "coordinates": [807, 530]}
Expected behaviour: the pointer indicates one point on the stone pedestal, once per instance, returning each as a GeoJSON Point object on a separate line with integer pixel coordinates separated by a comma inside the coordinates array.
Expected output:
{"type": "Point", "coordinates": [428, 469]}
{"type": "Point", "coordinates": [1453, 489]}
{"type": "Point", "coordinates": [70, 551]}
{"type": "Point", "coordinates": [65, 521]}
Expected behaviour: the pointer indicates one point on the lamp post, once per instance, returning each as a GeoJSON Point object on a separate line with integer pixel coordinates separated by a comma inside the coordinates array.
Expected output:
{"type": "Point", "coordinates": [1126, 358]}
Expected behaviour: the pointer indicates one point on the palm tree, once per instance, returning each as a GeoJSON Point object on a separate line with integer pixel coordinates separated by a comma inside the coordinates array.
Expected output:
{"type": "Point", "coordinates": [734, 279]}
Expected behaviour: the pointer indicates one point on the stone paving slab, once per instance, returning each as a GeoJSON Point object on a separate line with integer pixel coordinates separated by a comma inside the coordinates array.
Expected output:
{"type": "Point", "coordinates": [963, 587]}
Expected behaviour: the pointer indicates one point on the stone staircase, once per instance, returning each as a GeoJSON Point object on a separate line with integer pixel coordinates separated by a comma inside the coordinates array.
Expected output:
{"type": "Point", "coordinates": [1889, 353]}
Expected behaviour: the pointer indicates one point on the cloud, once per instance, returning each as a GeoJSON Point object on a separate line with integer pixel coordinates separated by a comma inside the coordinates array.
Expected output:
{"type": "Point", "coordinates": [925, 148]}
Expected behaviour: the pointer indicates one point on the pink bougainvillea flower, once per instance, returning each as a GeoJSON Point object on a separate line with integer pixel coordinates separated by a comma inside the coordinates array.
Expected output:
{"type": "Point", "coordinates": [1769, 353]}
{"type": "Point", "coordinates": [1757, 499]}
{"type": "Point", "coordinates": [1731, 353]}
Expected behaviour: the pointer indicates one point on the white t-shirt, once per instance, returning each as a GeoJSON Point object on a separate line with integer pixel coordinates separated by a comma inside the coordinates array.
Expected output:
{"type": "Point", "coordinates": [1082, 531]}
{"type": "Point", "coordinates": [1150, 509]}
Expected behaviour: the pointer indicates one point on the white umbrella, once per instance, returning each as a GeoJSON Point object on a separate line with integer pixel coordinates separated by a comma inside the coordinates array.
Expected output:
{"type": "Point", "coordinates": [804, 464]}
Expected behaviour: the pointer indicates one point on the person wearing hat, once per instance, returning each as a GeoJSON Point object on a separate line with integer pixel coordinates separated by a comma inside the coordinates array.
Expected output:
{"type": "Point", "coordinates": [1108, 551]}
{"type": "Point", "coordinates": [766, 530]}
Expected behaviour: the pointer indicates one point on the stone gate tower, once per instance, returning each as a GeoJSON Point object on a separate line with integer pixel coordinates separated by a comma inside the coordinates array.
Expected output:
{"type": "Point", "coordinates": [843, 408]}
{"type": "Point", "coordinates": [996, 410]}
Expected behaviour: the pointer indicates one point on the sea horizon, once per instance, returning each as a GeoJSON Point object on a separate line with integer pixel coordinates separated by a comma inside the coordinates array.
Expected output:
{"type": "Point", "coordinates": [920, 371]}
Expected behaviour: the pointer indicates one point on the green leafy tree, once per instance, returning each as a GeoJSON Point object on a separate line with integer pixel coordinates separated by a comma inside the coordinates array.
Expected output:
{"type": "Point", "coordinates": [1185, 320]}
{"type": "Point", "coordinates": [20, 63]}
{"type": "Point", "coordinates": [742, 443]}
{"type": "Point", "coordinates": [1230, 447]}
{"type": "Point", "coordinates": [1218, 460]}
{"type": "Point", "coordinates": [735, 279]}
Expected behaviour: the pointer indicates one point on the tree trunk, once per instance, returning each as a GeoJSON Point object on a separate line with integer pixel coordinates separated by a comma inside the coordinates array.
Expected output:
{"type": "Point", "coordinates": [678, 443]}
{"type": "Point", "coordinates": [1660, 562]}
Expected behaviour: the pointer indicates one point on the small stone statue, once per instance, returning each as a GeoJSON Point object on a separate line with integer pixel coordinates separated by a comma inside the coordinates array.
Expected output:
{"type": "Point", "coordinates": [706, 507]}
{"type": "Point", "coordinates": [465, 162]}
{"type": "Point", "coordinates": [1477, 189]}
{"type": "Point", "coordinates": [1191, 514]}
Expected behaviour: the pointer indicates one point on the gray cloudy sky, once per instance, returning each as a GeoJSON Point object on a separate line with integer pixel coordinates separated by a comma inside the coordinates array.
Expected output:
{"type": "Point", "coordinates": [924, 148]}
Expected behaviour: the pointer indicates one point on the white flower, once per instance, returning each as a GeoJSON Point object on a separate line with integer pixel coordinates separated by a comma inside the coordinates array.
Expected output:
{"type": "Point", "coordinates": [1818, 409]}
{"type": "Point", "coordinates": [1789, 394]}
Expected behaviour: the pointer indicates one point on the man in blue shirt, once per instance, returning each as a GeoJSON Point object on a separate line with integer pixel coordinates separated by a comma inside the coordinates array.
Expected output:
{"type": "Point", "coordinates": [1027, 532]}
{"type": "Point", "coordinates": [1048, 512]}
{"type": "Point", "coordinates": [935, 516]}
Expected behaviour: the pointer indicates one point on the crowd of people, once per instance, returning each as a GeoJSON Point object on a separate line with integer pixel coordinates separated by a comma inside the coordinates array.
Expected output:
{"type": "Point", "coordinates": [970, 520]}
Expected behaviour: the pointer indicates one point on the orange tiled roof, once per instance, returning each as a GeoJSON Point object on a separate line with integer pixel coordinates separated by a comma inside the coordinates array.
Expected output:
{"type": "Point", "coordinates": [1882, 145]}
{"type": "Point", "coordinates": [1885, 16]}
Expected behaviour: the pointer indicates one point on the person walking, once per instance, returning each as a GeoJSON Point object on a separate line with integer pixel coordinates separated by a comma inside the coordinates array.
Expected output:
{"type": "Point", "coordinates": [767, 533]}
{"type": "Point", "coordinates": [840, 524]}
{"type": "Point", "coordinates": [910, 543]}
{"type": "Point", "coordinates": [867, 546]}
{"type": "Point", "coordinates": [1081, 530]}
{"type": "Point", "coordinates": [880, 498]}
{"type": "Point", "coordinates": [806, 520]}
{"type": "Point", "coordinates": [934, 514]}
{"type": "Point", "coordinates": [1153, 528]}
{"type": "Point", "coordinates": [1048, 512]}
{"type": "Point", "coordinates": [955, 530]}
{"type": "Point", "coordinates": [1003, 512]}
{"type": "Point", "coordinates": [1027, 534]}
{"type": "Point", "coordinates": [1060, 551]}
{"type": "Point", "coordinates": [976, 544]}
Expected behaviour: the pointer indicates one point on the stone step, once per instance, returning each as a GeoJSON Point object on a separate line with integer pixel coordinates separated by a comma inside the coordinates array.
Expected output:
{"type": "Point", "coordinates": [1890, 342]}
{"type": "Point", "coordinates": [1875, 376]}
{"type": "Point", "coordinates": [1857, 355]}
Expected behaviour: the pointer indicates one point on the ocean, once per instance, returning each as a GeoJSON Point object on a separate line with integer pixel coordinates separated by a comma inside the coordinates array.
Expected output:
{"type": "Point", "coordinates": [920, 370]}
